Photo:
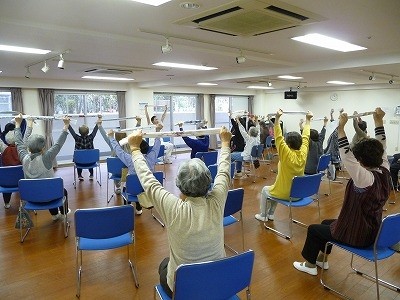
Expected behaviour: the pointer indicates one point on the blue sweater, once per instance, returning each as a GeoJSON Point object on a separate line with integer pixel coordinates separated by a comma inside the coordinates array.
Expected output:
{"type": "Point", "coordinates": [197, 145]}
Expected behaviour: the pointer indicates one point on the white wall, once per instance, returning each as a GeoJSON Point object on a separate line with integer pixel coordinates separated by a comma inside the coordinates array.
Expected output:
{"type": "Point", "coordinates": [350, 100]}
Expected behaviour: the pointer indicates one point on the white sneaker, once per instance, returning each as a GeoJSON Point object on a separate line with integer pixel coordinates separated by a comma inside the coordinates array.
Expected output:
{"type": "Point", "coordinates": [139, 212]}
{"type": "Point", "coordinates": [261, 218]}
{"type": "Point", "coordinates": [270, 217]}
{"type": "Point", "coordinates": [238, 175]}
{"type": "Point", "coordinates": [301, 266]}
{"type": "Point", "coordinates": [56, 217]}
{"type": "Point", "coordinates": [321, 264]}
{"type": "Point", "coordinates": [118, 191]}
{"type": "Point", "coordinates": [7, 206]}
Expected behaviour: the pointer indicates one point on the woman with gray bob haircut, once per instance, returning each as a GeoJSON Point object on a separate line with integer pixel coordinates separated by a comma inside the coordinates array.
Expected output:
{"type": "Point", "coordinates": [36, 143]}
{"type": "Point", "coordinates": [194, 178]}
{"type": "Point", "coordinates": [194, 220]}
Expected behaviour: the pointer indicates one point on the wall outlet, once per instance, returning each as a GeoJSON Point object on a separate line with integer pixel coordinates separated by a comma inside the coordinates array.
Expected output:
{"type": "Point", "coordinates": [395, 122]}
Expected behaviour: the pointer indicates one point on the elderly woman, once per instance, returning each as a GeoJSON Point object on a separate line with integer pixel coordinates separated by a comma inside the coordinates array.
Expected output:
{"type": "Point", "coordinates": [251, 139]}
{"type": "Point", "coordinates": [193, 220]}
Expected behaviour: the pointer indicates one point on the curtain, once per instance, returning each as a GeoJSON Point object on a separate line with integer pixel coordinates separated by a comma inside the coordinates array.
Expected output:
{"type": "Point", "coordinates": [16, 99]}
{"type": "Point", "coordinates": [46, 102]}
{"type": "Point", "coordinates": [251, 104]}
{"type": "Point", "coordinates": [121, 108]}
{"type": "Point", "coordinates": [200, 107]}
{"type": "Point", "coordinates": [213, 138]}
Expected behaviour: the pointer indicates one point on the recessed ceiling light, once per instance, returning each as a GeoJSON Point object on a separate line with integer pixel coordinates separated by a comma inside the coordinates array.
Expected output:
{"type": "Point", "coordinates": [290, 77]}
{"type": "Point", "coordinates": [327, 42]}
{"type": "Point", "coordinates": [152, 2]}
{"type": "Point", "coordinates": [260, 87]}
{"type": "Point", "coordinates": [23, 49]}
{"type": "Point", "coordinates": [206, 83]}
{"type": "Point", "coordinates": [340, 82]}
{"type": "Point", "coordinates": [183, 66]}
{"type": "Point", "coordinates": [108, 78]}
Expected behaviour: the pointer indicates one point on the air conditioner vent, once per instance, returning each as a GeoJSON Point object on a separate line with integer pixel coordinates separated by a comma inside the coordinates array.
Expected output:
{"type": "Point", "coordinates": [108, 71]}
{"type": "Point", "coordinates": [250, 18]}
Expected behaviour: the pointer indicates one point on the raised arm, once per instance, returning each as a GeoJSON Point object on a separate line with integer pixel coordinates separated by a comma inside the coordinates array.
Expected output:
{"type": "Point", "coordinates": [147, 115]}
{"type": "Point", "coordinates": [72, 131]}
{"type": "Point", "coordinates": [104, 133]}
{"type": "Point", "coordinates": [50, 155]}
{"type": "Point", "coordinates": [164, 114]}
{"type": "Point", "coordinates": [21, 147]}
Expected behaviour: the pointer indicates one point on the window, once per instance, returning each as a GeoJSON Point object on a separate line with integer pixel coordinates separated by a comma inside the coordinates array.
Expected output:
{"type": "Point", "coordinates": [5, 106]}
{"type": "Point", "coordinates": [181, 107]}
{"type": "Point", "coordinates": [84, 108]}
{"type": "Point", "coordinates": [225, 103]}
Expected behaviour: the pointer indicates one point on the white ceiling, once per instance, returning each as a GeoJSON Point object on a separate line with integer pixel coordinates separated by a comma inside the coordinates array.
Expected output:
{"type": "Point", "coordinates": [126, 35]}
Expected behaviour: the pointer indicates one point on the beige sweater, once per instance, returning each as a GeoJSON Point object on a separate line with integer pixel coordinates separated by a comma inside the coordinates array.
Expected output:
{"type": "Point", "coordinates": [194, 226]}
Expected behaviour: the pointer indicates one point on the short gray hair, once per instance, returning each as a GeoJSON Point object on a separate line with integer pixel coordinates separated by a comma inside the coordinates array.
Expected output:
{"type": "Point", "coordinates": [10, 137]}
{"type": "Point", "coordinates": [194, 178]}
{"type": "Point", "coordinates": [36, 143]}
{"type": "Point", "coordinates": [253, 131]}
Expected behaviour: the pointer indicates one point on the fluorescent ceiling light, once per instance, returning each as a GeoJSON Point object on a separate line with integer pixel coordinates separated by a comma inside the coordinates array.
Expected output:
{"type": "Point", "coordinates": [290, 77]}
{"type": "Point", "coordinates": [340, 82]}
{"type": "Point", "coordinates": [108, 78]}
{"type": "Point", "coordinates": [327, 42]}
{"type": "Point", "coordinates": [183, 66]}
{"type": "Point", "coordinates": [23, 49]}
{"type": "Point", "coordinates": [152, 2]}
{"type": "Point", "coordinates": [206, 83]}
{"type": "Point", "coordinates": [260, 87]}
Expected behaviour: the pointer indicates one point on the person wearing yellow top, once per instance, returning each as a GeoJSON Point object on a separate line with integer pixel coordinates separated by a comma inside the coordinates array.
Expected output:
{"type": "Point", "coordinates": [292, 151]}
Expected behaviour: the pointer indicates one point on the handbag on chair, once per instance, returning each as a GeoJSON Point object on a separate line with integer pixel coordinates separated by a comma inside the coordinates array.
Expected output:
{"type": "Point", "coordinates": [24, 218]}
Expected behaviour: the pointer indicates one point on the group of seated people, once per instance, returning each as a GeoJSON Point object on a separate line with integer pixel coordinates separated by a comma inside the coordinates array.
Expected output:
{"type": "Point", "coordinates": [194, 218]}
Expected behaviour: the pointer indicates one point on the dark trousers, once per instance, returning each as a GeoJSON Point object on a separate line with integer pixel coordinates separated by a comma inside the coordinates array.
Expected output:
{"type": "Point", "coordinates": [317, 236]}
{"type": "Point", "coordinates": [138, 206]}
{"type": "Point", "coordinates": [394, 171]}
{"type": "Point", "coordinates": [79, 171]}
{"type": "Point", "coordinates": [162, 271]}
{"type": "Point", "coordinates": [54, 211]}
{"type": "Point", "coordinates": [7, 197]}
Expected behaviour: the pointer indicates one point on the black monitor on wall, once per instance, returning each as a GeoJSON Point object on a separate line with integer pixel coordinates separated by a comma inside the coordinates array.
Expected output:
{"type": "Point", "coordinates": [291, 95]}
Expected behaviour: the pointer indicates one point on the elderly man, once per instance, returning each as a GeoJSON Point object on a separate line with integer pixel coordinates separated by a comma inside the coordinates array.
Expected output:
{"type": "Point", "coordinates": [194, 221]}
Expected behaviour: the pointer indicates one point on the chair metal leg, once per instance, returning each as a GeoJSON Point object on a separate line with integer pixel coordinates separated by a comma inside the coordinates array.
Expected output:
{"type": "Point", "coordinates": [133, 266]}
{"type": "Point", "coordinates": [78, 272]}
{"type": "Point", "coordinates": [158, 219]}
{"type": "Point", "coordinates": [22, 235]}
{"type": "Point", "coordinates": [98, 170]}
{"type": "Point", "coordinates": [74, 183]}
{"type": "Point", "coordinates": [66, 223]}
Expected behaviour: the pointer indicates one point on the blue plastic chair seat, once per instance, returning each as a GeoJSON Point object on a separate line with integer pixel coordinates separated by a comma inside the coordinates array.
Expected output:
{"type": "Point", "coordinates": [299, 203]}
{"type": "Point", "coordinates": [368, 253]}
{"type": "Point", "coordinates": [44, 205]}
{"type": "Point", "coordinates": [230, 220]}
{"type": "Point", "coordinates": [104, 244]}
{"type": "Point", "coordinates": [164, 296]}
{"type": "Point", "coordinates": [4, 189]}
{"type": "Point", "coordinates": [86, 166]}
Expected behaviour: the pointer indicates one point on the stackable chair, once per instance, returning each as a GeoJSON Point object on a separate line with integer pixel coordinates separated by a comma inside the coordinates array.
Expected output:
{"type": "Point", "coordinates": [42, 194]}
{"type": "Point", "coordinates": [303, 188]}
{"type": "Point", "coordinates": [133, 188]}
{"type": "Point", "coordinates": [212, 280]}
{"type": "Point", "coordinates": [322, 167]}
{"type": "Point", "coordinates": [9, 177]}
{"type": "Point", "coordinates": [268, 147]}
{"type": "Point", "coordinates": [233, 205]}
{"type": "Point", "coordinates": [209, 158]}
{"type": "Point", "coordinates": [256, 154]}
{"type": "Point", "coordinates": [114, 172]}
{"type": "Point", "coordinates": [214, 169]}
{"type": "Point", "coordinates": [87, 159]}
{"type": "Point", "coordinates": [103, 229]}
{"type": "Point", "coordinates": [388, 236]}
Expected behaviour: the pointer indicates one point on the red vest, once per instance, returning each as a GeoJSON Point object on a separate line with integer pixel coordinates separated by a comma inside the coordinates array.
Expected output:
{"type": "Point", "coordinates": [10, 156]}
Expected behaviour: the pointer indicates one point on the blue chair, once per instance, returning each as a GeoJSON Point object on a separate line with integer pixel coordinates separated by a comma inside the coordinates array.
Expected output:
{"type": "Point", "coordinates": [212, 280]}
{"type": "Point", "coordinates": [256, 154]}
{"type": "Point", "coordinates": [214, 169]}
{"type": "Point", "coordinates": [114, 170]}
{"type": "Point", "coordinates": [233, 205]}
{"type": "Point", "coordinates": [388, 236]}
{"type": "Point", "coordinates": [103, 229]}
{"type": "Point", "coordinates": [133, 188]}
{"type": "Point", "coordinates": [9, 177]}
{"type": "Point", "coordinates": [209, 157]}
{"type": "Point", "coordinates": [268, 147]}
{"type": "Point", "coordinates": [303, 188]}
{"type": "Point", "coordinates": [322, 167]}
{"type": "Point", "coordinates": [87, 159]}
{"type": "Point", "coordinates": [42, 194]}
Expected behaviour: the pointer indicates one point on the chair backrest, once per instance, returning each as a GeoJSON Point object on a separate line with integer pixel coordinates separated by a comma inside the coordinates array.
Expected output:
{"type": "Point", "coordinates": [86, 156]}
{"type": "Point", "coordinates": [214, 169]}
{"type": "Point", "coordinates": [212, 280]}
{"type": "Point", "coordinates": [234, 201]}
{"type": "Point", "coordinates": [257, 150]}
{"type": "Point", "coordinates": [41, 189]}
{"type": "Point", "coordinates": [209, 157]}
{"type": "Point", "coordinates": [167, 139]}
{"type": "Point", "coordinates": [268, 141]}
{"type": "Point", "coordinates": [133, 185]}
{"type": "Point", "coordinates": [389, 232]}
{"type": "Point", "coordinates": [9, 176]}
{"type": "Point", "coordinates": [115, 165]}
{"type": "Point", "coordinates": [305, 186]}
{"type": "Point", "coordinates": [162, 151]}
{"type": "Point", "coordinates": [104, 222]}
{"type": "Point", "coordinates": [323, 162]}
